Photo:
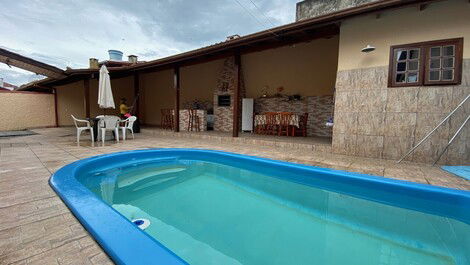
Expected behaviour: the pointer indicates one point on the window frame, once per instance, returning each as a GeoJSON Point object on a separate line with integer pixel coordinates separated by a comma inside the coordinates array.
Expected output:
{"type": "Point", "coordinates": [424, 63]}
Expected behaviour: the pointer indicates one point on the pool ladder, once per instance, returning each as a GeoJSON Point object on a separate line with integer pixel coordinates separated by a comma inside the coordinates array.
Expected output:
{"type": "Point", "coordinates": [435, 128]}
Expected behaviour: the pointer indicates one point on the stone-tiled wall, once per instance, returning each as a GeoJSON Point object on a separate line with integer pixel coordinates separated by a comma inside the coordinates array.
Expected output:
{"type": "Point", "coordinates": [373, 120]}
{"type": "Point", "coordinates": [314, 8]}
{"type": "Point", "coordinates": [223, 116]}
{"type": "Point", "coordinates": [319, 109]}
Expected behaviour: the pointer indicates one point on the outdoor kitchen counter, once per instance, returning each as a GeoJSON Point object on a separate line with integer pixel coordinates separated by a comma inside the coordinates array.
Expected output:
{"type": "Point", "coordinates": [184, 119]}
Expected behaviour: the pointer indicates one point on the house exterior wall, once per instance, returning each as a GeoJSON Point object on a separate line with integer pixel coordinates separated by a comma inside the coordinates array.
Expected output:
{"type": "Point", "coordinates": [374, 120]}
{"type": "Point", "coordinates": [70, 102]}
{"type": "Point", "coordinates": [158, 93]}
{"type": "Point", "coordinates": [71, 99]}
{"type": "Point", "coordinates": [23, 110]}
{"type": "Point", "coordinates": [197, 83]}
{"type": "Point", "coordinates": [308, 69]}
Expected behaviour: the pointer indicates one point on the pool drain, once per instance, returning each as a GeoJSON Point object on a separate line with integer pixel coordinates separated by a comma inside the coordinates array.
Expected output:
{"type": "Point", "coordinates": [141, 223]}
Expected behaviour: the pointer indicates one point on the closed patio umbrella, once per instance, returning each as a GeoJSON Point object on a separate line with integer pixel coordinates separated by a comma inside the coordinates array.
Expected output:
{"type": "Point", "coordinates": [105, 94]}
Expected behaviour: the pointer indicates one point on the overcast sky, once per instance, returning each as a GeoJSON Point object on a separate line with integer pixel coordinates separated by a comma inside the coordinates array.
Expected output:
{"type": "Point", "coordinates": [67, 33]}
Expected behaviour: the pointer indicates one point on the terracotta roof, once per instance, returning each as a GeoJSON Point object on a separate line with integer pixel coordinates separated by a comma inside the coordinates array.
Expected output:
{"type": "Point", "coordinates": [282, 35]}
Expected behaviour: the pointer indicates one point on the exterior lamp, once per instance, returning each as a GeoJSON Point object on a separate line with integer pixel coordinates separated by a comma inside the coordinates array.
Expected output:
{"type": "Point", "coordinates": [368, 48]}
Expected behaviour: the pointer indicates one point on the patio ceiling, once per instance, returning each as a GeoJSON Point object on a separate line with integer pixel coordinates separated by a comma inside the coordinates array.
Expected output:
{"type": "Point", "coordinates": [305, 30]}
{"type": "Point", "coordinates": [13, 59]}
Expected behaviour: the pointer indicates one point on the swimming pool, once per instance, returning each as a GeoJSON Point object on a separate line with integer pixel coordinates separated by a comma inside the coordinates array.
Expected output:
{"type": "Point", "coordinates": [211, 207]}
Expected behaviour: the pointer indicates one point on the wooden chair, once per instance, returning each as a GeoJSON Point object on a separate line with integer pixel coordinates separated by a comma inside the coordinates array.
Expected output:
{"type": "Point", "coordinates": [193, 123]}
{"type": "Point", "coordinates": [302, 129]}
{"type": "Point", "coordinates": [271, 123]}
{"type": "Point", "coordinates": [167, 120]}
{"type": "Point", "coordinates": [284, 123]}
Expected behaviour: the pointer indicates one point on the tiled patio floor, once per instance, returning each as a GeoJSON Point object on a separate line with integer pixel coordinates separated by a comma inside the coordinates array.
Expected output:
{"type": "Point", "coordinates": [37, 228]}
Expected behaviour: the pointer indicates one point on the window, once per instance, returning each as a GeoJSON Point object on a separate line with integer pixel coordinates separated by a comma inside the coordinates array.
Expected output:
{"type": "Point", "coordinates": [426, 63]}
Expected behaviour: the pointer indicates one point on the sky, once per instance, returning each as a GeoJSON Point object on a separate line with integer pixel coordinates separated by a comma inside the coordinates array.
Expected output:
{"type": "Point", "coordinates": [68, 33]}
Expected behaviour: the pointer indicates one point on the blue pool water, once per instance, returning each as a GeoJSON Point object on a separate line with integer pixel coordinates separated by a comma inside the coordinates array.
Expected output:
{"type": "Point", "coordinates": [207, 212]}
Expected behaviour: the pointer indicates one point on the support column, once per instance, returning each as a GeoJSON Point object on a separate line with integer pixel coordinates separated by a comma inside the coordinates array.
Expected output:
{"type": "Point", "coordinates": [86, 97]}
{"type": "Point", "coordinates": [176, 85]}
{"type": "Point", "coordinates": [236, 96]}
{"type": "Point", "coordinates": [136, 107]}
{"type": "Point", "coordinates": [54, 90]}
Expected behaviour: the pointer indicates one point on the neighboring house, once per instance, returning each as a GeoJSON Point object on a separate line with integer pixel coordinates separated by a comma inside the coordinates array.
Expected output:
{"type": "Point", "coordinates": [6, 86]}
{"type": "Point", "coordinates": [384, 100]}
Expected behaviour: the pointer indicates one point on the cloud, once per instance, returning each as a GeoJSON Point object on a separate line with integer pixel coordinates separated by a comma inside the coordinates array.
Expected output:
{"type": "Point", "coordinates": [67, 33]}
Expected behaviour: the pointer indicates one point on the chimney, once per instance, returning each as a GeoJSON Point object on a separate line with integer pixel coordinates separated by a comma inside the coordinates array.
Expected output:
{"type": "Point", "coordinates": [132, 59]}
{"type": "Point", "coordinates": [94, 63]}
{"type": "Point", "coordinates": [115, 55]}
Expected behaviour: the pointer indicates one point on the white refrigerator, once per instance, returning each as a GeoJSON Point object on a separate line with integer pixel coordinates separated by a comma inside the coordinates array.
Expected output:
{"type": "Point", "coordinates": [247, 114]}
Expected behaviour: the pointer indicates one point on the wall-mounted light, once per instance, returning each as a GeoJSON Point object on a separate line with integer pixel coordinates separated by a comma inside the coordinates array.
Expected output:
{"type": "Point", "coordinates": [368, 48]}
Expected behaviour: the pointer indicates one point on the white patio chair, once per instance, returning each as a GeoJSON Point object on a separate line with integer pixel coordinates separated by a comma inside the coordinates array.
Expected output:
{"type": "Point", "coordinates": [80, 129]}
{"type": "Point", "coordinates": [109, 123]}
{"type": "Point", "coordinates": [128, 125]}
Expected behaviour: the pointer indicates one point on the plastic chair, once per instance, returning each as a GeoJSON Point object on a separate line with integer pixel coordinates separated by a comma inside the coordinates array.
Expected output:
{"type": "Point", "coordinates": [80, 129]}
{"type": "Point", "coordinates": [109, 123]}
{"type": "Point", "coordinates": [128, 125]}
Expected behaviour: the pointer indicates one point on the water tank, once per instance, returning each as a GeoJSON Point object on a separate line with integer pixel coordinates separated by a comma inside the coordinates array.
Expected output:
{"type": "Point", "coordinates": [115, 55]}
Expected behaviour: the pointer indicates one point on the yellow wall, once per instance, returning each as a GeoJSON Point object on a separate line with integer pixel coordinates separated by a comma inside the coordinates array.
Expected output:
{"type": "Point", "coordinates": [22, 110]}
{"type": "Point", "coordinates": [441, 20]}
{"type": "Point", "coordinates": [158, 93]}
{"type": "Point", "coordinates": [308, 69]}
{"type": "Point", "coordinates": [70, 99]}
{"type": "Point", "coordinates": [199, 81]}
{"type": "Point", "coordinates": [70, 102]}
{"type": "Point", "coordinates": [122, 87]}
